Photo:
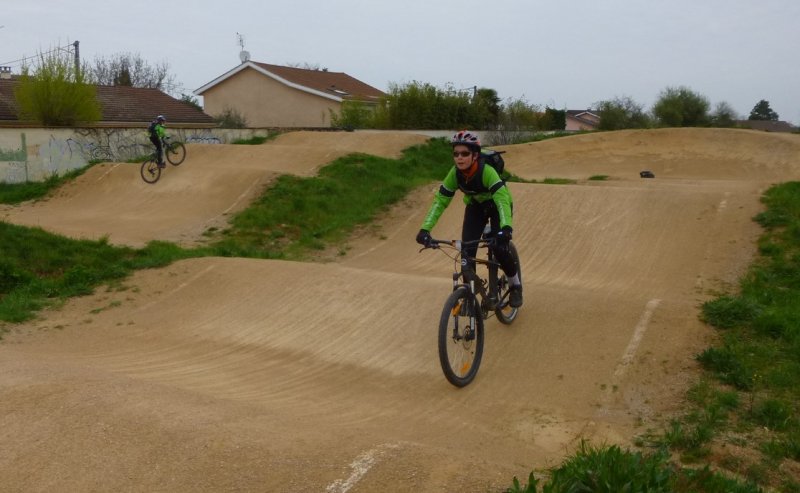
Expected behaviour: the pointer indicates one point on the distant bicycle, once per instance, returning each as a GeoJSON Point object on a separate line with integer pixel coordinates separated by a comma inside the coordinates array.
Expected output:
{"type": "Point", "coordinates": [175, 152]}
{"type": "Point", "coordinates": [473, 300]}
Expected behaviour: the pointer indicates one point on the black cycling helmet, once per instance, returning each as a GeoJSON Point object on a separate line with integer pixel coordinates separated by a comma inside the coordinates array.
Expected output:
{"type": "Point", "coordinates": [467, 138]}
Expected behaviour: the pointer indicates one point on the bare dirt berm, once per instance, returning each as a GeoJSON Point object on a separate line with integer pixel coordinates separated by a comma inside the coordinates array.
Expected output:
{"type": "Point", "coordinates": [226, 374]}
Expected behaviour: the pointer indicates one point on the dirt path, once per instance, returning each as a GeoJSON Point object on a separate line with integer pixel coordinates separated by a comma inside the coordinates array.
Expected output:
{"type": "Point", "coordinates": [245, 375]}
{"type": "Point", "coordinates": [214, 182]}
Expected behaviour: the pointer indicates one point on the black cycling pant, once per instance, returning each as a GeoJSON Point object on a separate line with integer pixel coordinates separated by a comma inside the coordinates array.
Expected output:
{"type": "Point", "coordinates": [475, 218]}
{"type": "Point", "coordinates": [159, 148]}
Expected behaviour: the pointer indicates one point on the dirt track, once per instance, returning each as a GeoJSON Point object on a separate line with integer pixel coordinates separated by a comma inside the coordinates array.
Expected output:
{"type": "Point", "coordinates": [245, 375]}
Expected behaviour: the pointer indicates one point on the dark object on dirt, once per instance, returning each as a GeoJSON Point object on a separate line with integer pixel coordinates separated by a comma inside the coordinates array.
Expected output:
{"type": "Point", "coordinates": [646, 174]}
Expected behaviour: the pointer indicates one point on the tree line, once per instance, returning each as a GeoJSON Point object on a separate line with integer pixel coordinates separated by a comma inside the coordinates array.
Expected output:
{"type": "Point", "coordinates": [423, 106]}
{"type": "Point", "coordinates": [675, 107]}
{"type": "Point", "coordinates": [56, 92]}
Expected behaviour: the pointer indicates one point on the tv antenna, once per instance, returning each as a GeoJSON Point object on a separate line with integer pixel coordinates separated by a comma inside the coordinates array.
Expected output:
{"type": "Point", "coordinates": [244, 55]}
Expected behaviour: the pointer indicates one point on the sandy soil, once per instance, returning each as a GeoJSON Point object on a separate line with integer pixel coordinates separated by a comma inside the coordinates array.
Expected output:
{"type": "Point", "coordinates": [111, 200]}
{"type": "Point", "coordinates": [255, 375]}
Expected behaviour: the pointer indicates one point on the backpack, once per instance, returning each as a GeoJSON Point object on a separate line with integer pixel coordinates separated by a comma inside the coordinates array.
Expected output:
{"type": "Point", "coordinates": [493, 159]}
{"type": "Point", "coordinates": [151, 129]}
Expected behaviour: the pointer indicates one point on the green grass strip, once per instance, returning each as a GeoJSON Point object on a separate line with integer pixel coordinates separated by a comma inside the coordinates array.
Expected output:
{"type": "Point", "coordinates": [610, 469]}
{"type": "Point", "coordinates": [297, 215]}
{"type": "Point", "coordinates": [752, 397]}
{"type": "Point", "coordinates": [15, 193]}
{"type": "Point", "coordinates": [38, 268]}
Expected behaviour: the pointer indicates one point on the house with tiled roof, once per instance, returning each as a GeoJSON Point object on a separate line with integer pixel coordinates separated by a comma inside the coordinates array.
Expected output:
{"type": "Point", "coordinates": [284, 97]}
{"type": "Point", "coordinates": [121, 106]}
{"type": "Point", "coordinates": [582, 120]}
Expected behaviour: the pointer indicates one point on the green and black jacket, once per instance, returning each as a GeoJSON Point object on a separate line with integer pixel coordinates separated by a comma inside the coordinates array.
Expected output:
{"type": "Point", "coordinates": [484, 185]}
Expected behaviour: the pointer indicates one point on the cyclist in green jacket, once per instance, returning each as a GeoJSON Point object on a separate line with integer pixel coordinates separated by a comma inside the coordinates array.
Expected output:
{"type": "Point", "coordinates": [487, 199]}
{"type": "Point", "coordinates": [157, 135]}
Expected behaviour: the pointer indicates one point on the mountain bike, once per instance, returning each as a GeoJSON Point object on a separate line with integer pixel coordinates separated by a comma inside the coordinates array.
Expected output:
{"type": "Point", "coordinates": [175, 152]}
{"type": "Point", "coordinates": [474, 299]}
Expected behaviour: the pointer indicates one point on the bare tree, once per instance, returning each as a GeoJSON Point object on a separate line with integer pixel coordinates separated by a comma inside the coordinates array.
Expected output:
{"type": "Point", "coordinates": [723, 115]}
{"type": "Point", "coordinates": [130, 69]}
{"type": "Point", "coordinates": [308, 66]}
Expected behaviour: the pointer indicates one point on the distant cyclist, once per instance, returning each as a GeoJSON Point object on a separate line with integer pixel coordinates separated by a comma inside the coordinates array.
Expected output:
{"type": "Point", "coordinates": [157, 136]}
{"type": "Point", "coordinates": [487, 199]}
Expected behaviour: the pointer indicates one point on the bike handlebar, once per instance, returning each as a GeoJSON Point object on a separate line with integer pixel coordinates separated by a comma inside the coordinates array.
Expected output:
{"type": "Point", "coordinates": [459, 244]}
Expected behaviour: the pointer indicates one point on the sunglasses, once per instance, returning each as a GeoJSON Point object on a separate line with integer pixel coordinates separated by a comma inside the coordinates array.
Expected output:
{"type": "Point", "coordinates": [462, 153]}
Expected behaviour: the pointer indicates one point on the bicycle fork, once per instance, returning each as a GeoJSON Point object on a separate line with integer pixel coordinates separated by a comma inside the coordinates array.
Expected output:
{"type": "Point", "coordinates": [466, 308]}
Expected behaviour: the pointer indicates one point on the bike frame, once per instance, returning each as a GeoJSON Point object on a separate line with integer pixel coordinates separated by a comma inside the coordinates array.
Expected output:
{"type": "Point", "coordinates": [476, 284]}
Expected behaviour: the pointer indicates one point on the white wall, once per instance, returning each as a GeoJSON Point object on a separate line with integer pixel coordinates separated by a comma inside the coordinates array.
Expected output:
{"type": "Point", "coordinates": [34, 154]}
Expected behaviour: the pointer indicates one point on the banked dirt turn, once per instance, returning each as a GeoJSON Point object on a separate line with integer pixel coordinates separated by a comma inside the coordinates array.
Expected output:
{"type": "Point", "coordinates": [255, 375]}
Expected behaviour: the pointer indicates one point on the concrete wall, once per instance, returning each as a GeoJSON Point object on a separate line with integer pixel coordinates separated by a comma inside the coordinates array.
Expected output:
{"type": "Point", "coordinates": [265, 102]}
{"type": "Point", "coordinates": [34, 154]}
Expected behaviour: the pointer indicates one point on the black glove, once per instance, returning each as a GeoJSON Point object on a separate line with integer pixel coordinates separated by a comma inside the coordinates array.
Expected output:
{"type": "Point", "coordinates": [423, 237]}
{"type": "Point", "coordinates": [503, 236]}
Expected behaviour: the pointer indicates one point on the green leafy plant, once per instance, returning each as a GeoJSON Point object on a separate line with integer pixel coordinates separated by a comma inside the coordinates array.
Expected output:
{"type": "Point", "coordinates": [56, 93]}
{"type": "Point", "coordinates": [256, 139]}
{"type": "Point", "coordinates": [14, 193]}
{"type": "Point", "coordinates": [681, 107]}
{"type": "Point", "coordinates": [230, 118]}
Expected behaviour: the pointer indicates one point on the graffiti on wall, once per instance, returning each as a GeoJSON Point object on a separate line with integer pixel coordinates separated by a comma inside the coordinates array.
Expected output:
{"type": "Point", "coordinates": [61, 151]}
{"type": "Point", "coordinates": [205, 138]}
{"type": "Point", "coordinates": [19, 154]}
{"type": "Point", "coordinates": [14, 163]}
{"type": "Point", "coordinates": [113, 144]}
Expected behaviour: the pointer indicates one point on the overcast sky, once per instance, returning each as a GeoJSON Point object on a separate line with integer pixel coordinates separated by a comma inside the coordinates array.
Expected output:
{"type": "Point", "coordinates": [564, 54]}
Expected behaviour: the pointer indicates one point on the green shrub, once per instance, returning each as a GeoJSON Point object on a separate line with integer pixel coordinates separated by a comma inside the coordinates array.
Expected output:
{"type": "Point", "coordinates": [54, 93]}
{"type": "Point", "coordinates": [727, 312]}
{"type": "Point", "coordinates": [230, 118]}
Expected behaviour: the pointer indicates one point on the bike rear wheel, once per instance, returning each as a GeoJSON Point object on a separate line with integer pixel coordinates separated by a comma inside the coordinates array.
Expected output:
{"type": "Point", "coordinates": [461, 337]}
{"type": "Point", "coordinates": [150, 171]}
{"type": "Point", "coordinates": [505, 312]}
{"type": "Point", "coordinates": [176, 152]}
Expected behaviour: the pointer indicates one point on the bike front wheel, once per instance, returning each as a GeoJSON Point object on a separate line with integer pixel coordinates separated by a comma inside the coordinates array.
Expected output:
{"type": "Point", "coordinates": [461, 337]}
{"type": "Point", "coordinates": [150, 171]}
{"type": "Point", "coordinates": [176, 152]}
{"type": "Point", "coordinates": [505, 312]}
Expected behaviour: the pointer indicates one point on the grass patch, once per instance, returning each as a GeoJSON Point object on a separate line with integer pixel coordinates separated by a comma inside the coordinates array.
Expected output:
{"type": "Point", "coordinates": [610, 469]}
{"type": "Point", "coordinates": [598, 178]}
{"type": "Point", "coordinates": [38, 268]}
{"type": "Point", "coordinates": [298, 215]}
{"type": "Point", "coordinates": [15, 193]}
{"type": "Point", "coordinates": [753, 396]}
{"type": "Point", "coordinates": [558, 181]}
{"type": "Point", "coordinates": [256, 139]}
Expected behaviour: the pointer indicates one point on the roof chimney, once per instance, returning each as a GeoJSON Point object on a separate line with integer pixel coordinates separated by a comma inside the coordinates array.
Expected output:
{"type": "Point", "coordinates": [5, 72]}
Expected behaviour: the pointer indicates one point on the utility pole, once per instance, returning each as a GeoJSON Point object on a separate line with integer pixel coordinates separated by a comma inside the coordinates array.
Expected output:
{"type": "Point", "coordinates": [77, 57]}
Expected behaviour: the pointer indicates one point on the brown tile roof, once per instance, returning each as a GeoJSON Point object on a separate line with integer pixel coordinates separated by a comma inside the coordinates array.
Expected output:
{"type": "Point", "coordinates": [122, 105]}
{"type": "Point", "coordinates": [135, 104]}
{"type": "Point", "coordinates": [333, 84]}
{"type": "Point", "coordinates": [8, 105]}
{"type": "Point", "coordinates": [766, 125]}
{"type": "Point", "coordinates": [580, 115]}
